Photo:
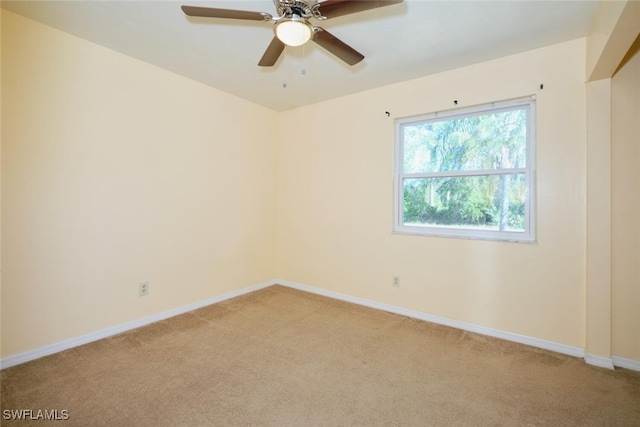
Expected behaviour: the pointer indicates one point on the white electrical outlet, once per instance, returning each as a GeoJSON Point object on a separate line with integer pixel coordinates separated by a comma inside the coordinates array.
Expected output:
{"type": "Point", "coordinates": [396, 281]}
{"type": "Point", "coordinates": [143, 289]}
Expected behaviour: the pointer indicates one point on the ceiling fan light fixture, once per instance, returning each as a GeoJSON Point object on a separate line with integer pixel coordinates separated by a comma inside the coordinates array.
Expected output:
{"type": "Point", "coordinates": [293, 31]}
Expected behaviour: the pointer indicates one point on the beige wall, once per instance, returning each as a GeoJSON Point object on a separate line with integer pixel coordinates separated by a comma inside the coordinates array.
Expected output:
{"type": "Point", "coordinates": [116, 172]}
{"type": "Point", "coordinates": [612, 131]}
{"type": "Point", "coordinates": [335, 189]}
{"type": "Point", "coordinates": [598, 230]}
{"type": "Point", "coordinates": [626, 207]}
{"type": "Point", "coordinates": [613, 29]}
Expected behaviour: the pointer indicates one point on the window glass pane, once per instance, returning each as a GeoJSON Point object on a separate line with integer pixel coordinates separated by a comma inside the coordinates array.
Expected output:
{"type": "Point", "coordinates": [478, 142]}
{"type": "Point", "coordinates": [489, 202]}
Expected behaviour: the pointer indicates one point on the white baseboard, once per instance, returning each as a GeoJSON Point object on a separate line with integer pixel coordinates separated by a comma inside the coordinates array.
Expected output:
{"type": "Point", "coordinates": [603, 362]}
{"type": "Point", "coordinates": [600, 361]}
{"type": "Point", "coordinates": [622, 362]}
{"type": "Point", "coordinates": [104, 333]}
{"type": "Point", "coordinates": [483, 330]}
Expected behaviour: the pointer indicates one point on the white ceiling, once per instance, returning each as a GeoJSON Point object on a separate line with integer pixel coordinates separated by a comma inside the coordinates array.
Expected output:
{"type": "Point", "coordinates": [400, 42]}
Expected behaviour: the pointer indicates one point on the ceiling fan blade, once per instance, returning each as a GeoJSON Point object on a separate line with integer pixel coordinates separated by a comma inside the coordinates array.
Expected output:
{"type": "Point", "coordinates": [212, 12]}
{"type": "Point", "coordinates": [273, 52]}
{"type": "Point", "coordinates": [333, 8]}
{"type": "Point", "coordinates": [334, 45]}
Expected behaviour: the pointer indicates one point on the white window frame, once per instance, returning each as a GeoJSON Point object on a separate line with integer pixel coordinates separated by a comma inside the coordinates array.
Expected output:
{"type": "Point", "coordinates": [528, 235]}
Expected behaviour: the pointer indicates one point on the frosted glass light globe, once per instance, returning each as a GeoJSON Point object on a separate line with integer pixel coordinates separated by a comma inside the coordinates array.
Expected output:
{"type": "Point", "coordinates": [294, 32]}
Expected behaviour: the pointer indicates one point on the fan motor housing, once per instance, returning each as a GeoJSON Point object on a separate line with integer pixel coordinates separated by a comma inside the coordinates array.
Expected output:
{"type": "Point", "coordinates": [300, 8]}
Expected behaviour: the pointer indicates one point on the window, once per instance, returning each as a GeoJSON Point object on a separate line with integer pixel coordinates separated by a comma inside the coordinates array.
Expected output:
{"type": "Point", "coordinates": [467, 172]}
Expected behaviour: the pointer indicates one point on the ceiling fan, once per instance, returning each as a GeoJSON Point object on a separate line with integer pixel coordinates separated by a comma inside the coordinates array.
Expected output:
{"type": "Point", "coordinates": [292, 26]}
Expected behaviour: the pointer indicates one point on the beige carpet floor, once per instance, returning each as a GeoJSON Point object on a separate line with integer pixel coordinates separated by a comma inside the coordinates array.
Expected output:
{"type": "Point", "coordinates": [282, 357]}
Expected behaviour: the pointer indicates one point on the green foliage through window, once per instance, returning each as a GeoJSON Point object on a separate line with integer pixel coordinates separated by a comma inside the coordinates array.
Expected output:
{"type": "Point", "coordinates": [467, 171]}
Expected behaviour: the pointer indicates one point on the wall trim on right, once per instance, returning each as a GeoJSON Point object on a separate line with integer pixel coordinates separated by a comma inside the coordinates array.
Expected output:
{"type": "Point", "coordinates": [569, 350]}
{"type": "Point", "coordinates": [625, 363]}
{"type": "Point", "coordinates": [599, 361]}
{"type": "Point", "coordinates": [496, 333]}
